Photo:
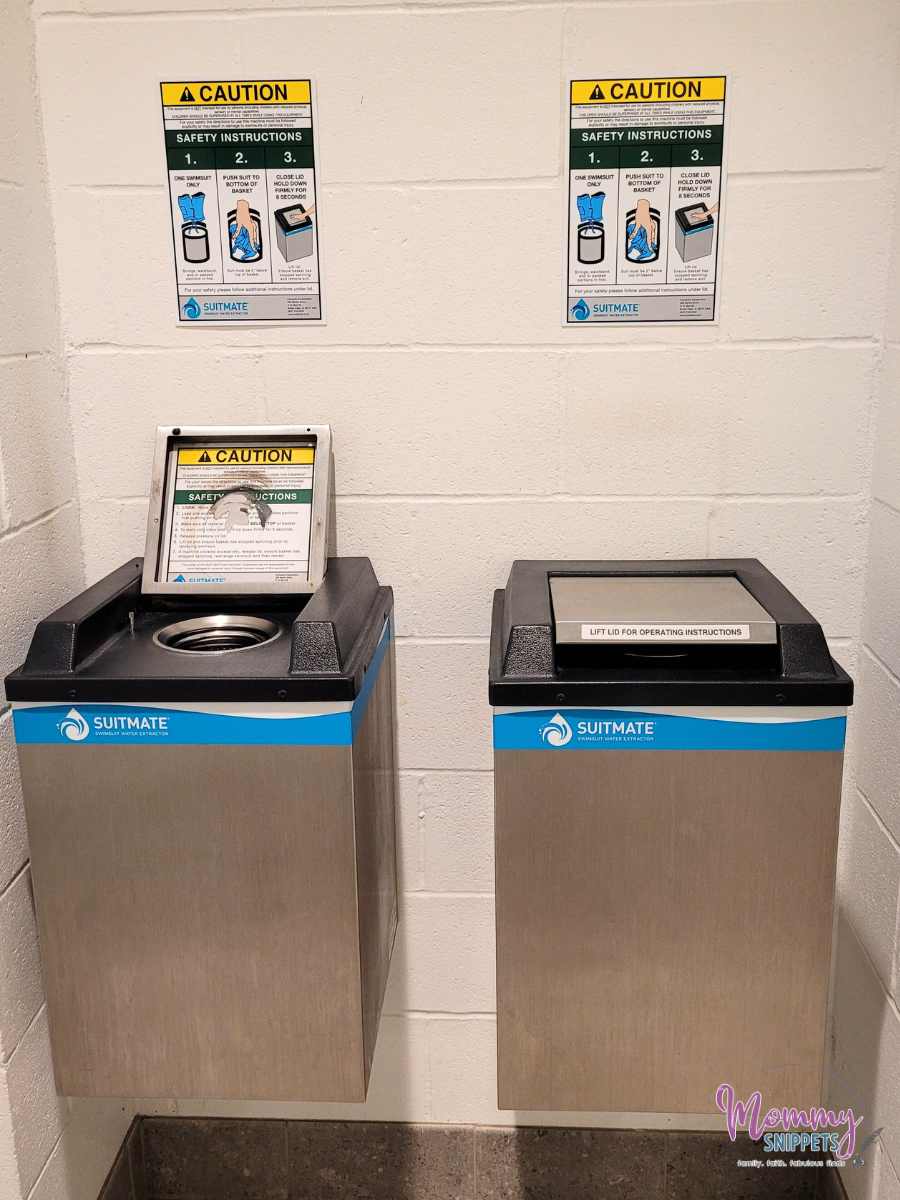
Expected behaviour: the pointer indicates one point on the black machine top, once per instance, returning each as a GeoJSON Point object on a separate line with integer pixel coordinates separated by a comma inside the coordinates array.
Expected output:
{"type": "Point", "coordinates": [681, 632]}
{"type": "Point", "coordinates": [113, 643]}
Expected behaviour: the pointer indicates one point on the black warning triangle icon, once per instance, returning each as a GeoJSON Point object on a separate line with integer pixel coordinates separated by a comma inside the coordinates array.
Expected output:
{"type": "Point", "coordinates": [187, 96]}
{"type": "Point", "coordinates": [596, 94]}
{"type": "Point", "coordinates": [204, 457]}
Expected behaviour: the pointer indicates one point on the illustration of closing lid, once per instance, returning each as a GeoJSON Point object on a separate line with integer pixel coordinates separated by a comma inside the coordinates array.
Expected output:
{"type": "Point", "coordinates": [292, 217]}
{"type": "Point", "coordinates": [294, 232]}
{"type": "Point", "coordinates": [693, 218]}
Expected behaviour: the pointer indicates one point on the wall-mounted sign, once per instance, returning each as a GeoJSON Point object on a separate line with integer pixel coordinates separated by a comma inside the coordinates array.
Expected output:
{"type": "Point", "coordinates": [241, 159]}
{"type": "Point", "coordinates": [644, 203]}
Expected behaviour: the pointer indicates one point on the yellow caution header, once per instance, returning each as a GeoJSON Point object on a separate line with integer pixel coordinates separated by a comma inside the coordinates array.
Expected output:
{"type": "Point", "coordinates": [246, 456]}
{"type": "Point", "coordinates": [241, 91]}
{"type": "Point", "coordinates": [648, 91]}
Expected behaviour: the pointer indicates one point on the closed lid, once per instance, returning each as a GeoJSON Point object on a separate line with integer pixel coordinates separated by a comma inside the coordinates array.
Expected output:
{"type": "Point", "coordinates": [663, 608]}
{"type": "Point", "coordinates": [656, 631]}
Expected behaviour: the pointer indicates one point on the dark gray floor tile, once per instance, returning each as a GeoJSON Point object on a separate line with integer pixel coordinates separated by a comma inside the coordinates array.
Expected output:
{"type": "Point", "coordinates": [703, 1166]}
{"type": "Point", "coordinates": [135, 1149]}
{"type": "Point", "coordinates": [356, 1160]}
{"type": "Point", "coordinates": [215, 1159]}
{"type": "Point", "coordinates": [118, 1182]}
{"type": "Point", "coordinates": [831, 1186]}
{"type": "Point", "coordinates": [569, 1164]}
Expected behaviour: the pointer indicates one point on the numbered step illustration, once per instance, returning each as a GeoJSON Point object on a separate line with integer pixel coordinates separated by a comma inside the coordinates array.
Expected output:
{"type": "Point", "coordinates": [644, 199]}
{"type": "Point", "coordinates": [241, 161]}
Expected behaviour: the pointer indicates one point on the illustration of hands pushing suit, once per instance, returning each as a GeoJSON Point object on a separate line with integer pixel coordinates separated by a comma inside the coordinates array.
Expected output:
{"type": "Point", "coordinates": [244, 232]}
{"type": "Point", "coordinates": [642, 232]}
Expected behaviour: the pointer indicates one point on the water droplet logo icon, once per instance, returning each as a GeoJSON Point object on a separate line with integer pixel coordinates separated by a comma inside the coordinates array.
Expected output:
{"type": "Point", "coordinates": [580, 310]}
{"type": "Point", "coordinates": [73, 726]}
{"type": "Point", "coordinates": [191, 309]}
{"type": "Point", "coordinates": [557, 732]}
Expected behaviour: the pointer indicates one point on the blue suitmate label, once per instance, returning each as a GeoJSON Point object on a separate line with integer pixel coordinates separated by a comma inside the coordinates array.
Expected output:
{"type": "Point", "coordinates": [326, 724]}
{"type": "Point", "coordinates": [668, 729]}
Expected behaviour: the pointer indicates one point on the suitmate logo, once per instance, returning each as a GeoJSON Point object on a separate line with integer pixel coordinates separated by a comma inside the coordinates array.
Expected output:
{"type": "Point", "coordinates": [73, 726]}
{"type": "Point", "coordinates": [600, 730]}
{"type": "Point", "coordinates": [557, 732]}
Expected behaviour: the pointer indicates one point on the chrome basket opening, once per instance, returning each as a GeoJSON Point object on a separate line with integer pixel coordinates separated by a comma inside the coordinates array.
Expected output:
{"type": "Point", "coordinates": [218, 634]}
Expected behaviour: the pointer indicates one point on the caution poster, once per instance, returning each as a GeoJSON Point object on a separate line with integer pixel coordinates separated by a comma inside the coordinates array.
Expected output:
{"type": "Point", "coordinates": [643, 241]}
{"type": "Point", "coordinates": [241, 158]}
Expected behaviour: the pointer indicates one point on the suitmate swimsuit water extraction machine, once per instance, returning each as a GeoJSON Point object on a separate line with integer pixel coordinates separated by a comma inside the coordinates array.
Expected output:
{"type": "Point", "coordinates": [206, 740]}
{"type": "Point", "coordinates": [668, 743]}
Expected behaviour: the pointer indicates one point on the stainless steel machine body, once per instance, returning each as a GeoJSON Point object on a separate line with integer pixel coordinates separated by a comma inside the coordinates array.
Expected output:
{"type": "Point", "coordinates": [668, 741]}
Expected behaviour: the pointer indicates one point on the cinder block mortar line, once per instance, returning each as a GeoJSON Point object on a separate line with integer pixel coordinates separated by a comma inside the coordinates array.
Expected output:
{"type": "Point", "coordinates": [892, 508]}
{"type": "Point", "coordinates": [12, 184]}
{"type": "Point", "coordinates": [891, 1002]}
{"type": "Point", "coordinates": [25, 1032]}
{"type": "Point", "coordinates": [446, 770]}
{"type": "Point", "coordinates": [33, 1190]}
{"type": "Point", "coordinates": [413, 639]}
{"type": "Point", "coordinates": [438, 1015]}
{"type": "Point", "coordinates": [23, 356]}
{"type": "Point", "coordinates": [5, 510]}
{"type": "Point", "coordinates": [895, 845]}
{"type": "Point", "coordinates": [430, 894]}
{"type": "Point", "coordinates": [41, 519]}
{"type": "Point", "coordinates": [412, 7]}
{"type": "Point", "coordinates": [828, 175]}
{"type": "Point", "coordinates": [15, 879]}
{"type": "Point", "coordinates": [715, 342]}
{"type": "Point", "coordinates": [465, 498]}
{"type": "Point", "coordinates": [469, 498]}
{"type": "Point", "coordinates": [812, 175]}
{"type": "Point", "coordinates": [879, 661]}
{"type": "Point", "coordinates": [421, 808]}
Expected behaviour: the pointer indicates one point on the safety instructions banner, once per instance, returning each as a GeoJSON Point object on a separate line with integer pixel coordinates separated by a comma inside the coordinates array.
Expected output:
{"type": "Point", "coordinates": [240, 513]}
{"type": "Point", "coordinates": [241, 160]}
{"type": "Point", "coordinates": [643, 209]}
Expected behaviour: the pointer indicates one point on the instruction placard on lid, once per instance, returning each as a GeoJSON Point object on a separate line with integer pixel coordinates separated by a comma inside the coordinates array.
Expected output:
{"type": "Point", "coordinates": [239, 511]}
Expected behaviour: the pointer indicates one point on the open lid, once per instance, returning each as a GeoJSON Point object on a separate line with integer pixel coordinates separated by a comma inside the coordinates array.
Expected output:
{"type": "Point", "coordinates": [238, 510]}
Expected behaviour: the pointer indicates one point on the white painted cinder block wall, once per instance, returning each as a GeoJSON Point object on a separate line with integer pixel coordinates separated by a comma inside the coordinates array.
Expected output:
{"type": "Point", "coordinates": [47, 1150]}
{"type": "Point", "coordinates": [866, 1012]}
{"type": "Point", "coordinates": [469, 426]}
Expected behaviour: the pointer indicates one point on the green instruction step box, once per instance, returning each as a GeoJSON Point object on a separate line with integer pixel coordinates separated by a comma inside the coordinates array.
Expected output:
{"type": "Point", "coordinates": [190, 158]}
{"type": "Point", "coordinates": [645, 156]}
{"type": "Point", "coordinates": [697, 156]}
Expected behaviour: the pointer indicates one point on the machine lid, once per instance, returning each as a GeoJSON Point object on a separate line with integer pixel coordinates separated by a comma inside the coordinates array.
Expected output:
{"type": "Point", "coordinates": [658, 609]}
{"type": "Point", "coordinates": [540, 656]}
{"type": "Point", "coordinates": [238, 510]}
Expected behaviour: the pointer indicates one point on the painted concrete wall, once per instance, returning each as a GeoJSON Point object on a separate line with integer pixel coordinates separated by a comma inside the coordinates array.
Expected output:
{"type": "Point", "coordinates": [469, 426]}
{"type": "Point", "coordinates": [47, 1150]}
{"type": "Point", "coordinates": [866, 1016]}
